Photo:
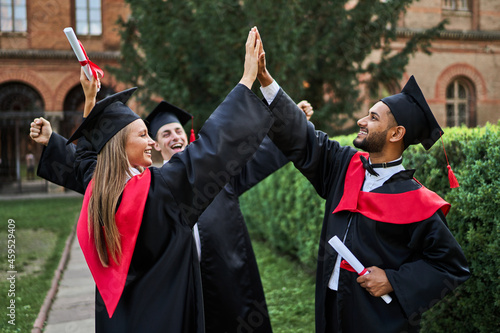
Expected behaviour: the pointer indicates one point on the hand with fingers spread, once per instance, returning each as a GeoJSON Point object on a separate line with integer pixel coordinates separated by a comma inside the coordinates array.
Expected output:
{"type": "Point", "coordinates": [40, 131]}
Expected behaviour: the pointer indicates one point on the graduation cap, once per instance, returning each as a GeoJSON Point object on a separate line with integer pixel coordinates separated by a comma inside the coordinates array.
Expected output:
{"type": "Point", "coordinates": [107, 118]}
{"type": "Point", "coordinates": [166, 113]}
{"type": "Point", "coordinates": [410, 109]}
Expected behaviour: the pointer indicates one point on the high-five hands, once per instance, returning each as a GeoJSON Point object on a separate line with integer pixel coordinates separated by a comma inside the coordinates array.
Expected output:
{"type": "Point", "coordinates": [252, 47]}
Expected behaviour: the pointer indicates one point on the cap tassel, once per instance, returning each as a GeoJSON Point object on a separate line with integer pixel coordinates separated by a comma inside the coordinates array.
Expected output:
{"type": "Point", "coordinates": [192, 137]}
{"type": "Point", "coordinates": [451, 176]}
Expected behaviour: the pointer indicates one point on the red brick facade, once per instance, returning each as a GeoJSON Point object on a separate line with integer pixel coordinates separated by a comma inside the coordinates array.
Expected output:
{"type": "Point", "coordinates": [42, 60]}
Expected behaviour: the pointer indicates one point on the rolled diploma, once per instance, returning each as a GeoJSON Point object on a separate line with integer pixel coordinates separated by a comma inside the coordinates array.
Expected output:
{"type": "Point", "coordinates": [345, 253]}
{"type": "Point", "coordinates": [70, 34]}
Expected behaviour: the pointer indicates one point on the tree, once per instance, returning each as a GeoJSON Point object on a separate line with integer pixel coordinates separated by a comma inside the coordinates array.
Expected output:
{"type": "Point", "coordinates": [191, 52]}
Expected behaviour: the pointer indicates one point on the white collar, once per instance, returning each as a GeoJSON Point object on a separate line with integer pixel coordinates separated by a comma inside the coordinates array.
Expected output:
{"type": "Point", "coordinates": [372, 182]}
{"type": "Point", "coordinates": [133, 172]}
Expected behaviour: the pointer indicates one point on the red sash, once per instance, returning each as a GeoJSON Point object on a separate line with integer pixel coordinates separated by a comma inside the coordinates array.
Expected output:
{"type": "Point", "coordinates": [399, 208]}
{"type": "Point", "coordinates": [110, 280]}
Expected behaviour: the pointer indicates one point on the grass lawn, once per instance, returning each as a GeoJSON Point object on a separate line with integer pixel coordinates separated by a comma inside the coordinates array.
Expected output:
{"type": "Point", "coordinates": [40, 230]}
{"type": "Point", "coordinates": [289, 291]}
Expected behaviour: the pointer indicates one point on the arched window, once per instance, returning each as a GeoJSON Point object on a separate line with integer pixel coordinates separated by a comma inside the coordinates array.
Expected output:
{"type": "Point", "coordinates": [19, 105]}
{"type": "Point", "coordinates": [460, 103]}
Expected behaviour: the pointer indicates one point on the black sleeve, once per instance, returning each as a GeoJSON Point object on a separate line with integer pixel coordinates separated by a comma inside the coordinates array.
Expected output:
{"type": "Point", "coordinates": [226, 142]}
{"type": "Point", "coordinates": [85, 161]}
{"type": "Point", "coordinates": [317, 157]}
{"type": "Point", "coordinates": [56, 163]}
{"type": "Point", "coordinates": [266, 160]}
{"type": "Point", "coordinates": [439, 268]}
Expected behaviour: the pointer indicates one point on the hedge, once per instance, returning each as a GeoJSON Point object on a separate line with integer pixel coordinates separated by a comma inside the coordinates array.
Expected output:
{"type": "Point", "coordinates": [285, 211]}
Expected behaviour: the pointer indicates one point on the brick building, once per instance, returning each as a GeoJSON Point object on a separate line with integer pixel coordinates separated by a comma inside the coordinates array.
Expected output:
{"type": "Point", "coordinates": [461, 78]}
{"type": "Point", "coordinates": [39, 73]}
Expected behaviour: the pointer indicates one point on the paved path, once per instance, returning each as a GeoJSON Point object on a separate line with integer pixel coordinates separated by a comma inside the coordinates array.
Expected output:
{"type": "Point", "coordinates": [73, 308]}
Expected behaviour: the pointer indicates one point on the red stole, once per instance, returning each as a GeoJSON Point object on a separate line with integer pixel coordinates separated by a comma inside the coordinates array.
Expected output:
{"type": "Point", "coordinates": [400, 208]}
{"type": "Point", "coordinates": [110, 280]}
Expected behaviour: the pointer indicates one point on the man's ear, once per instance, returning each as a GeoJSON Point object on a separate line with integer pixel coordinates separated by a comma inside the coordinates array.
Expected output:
{"type": "Point", "coordinates": [157, 146]}
{"type": "Point", "coordinates": [397, 134]}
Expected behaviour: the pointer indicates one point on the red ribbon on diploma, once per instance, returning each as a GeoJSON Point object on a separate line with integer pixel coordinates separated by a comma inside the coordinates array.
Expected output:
{"type": "Point", "coordinates": [345, 265]}
{"type": "Point", "coordinates": [93, 67]}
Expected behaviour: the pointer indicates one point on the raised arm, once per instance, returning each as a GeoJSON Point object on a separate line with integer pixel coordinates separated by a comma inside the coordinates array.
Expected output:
{"type": "Point", "coordinates": [266, 160]}
{"type": "Point", "coordinates": [226, 142]}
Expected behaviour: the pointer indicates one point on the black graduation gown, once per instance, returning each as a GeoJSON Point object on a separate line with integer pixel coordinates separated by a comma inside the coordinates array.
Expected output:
{"type": "Point", "coordinates": [163, 288]}
{"type": "Point", "coordinates": [233, 295]}
{"type": "Point", "coordinates": [232, 289]}
{"type": "Point", "coordinates": [56, 163]}
{"type": "Point", "coordinates": [422, 260]}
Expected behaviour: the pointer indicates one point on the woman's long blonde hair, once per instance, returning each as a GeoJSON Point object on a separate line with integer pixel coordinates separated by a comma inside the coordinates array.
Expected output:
{"type": "Point", "coordinates": [110, 176]}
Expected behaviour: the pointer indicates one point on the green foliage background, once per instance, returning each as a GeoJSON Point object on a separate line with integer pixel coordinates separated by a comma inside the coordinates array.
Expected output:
{"type": "Point", "coordinates": [191, 53]}
{"type": "Point", "coordinates": [285, 210]}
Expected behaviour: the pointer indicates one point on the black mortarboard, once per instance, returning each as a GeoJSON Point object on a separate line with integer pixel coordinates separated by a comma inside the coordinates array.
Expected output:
{"type": "Point", "coordinates": [411, 110]}
{"type": "Point", "coordinates": [106, 119]}
{"type": "Point", "coordinates": [166, 113]}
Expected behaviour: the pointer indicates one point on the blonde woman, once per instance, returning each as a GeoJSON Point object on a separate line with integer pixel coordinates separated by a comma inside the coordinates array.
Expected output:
{"type": "Point", "coordinates": [135, 227]}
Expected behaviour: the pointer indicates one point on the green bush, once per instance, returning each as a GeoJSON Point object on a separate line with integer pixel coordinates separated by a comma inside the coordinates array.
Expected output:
{"type": "Point", "coordinates": [285, 210]}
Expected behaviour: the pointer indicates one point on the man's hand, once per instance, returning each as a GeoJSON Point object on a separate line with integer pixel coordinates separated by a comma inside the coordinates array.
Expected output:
{"type": "Point", "coordinates": [307, 108]}
{"type": "Point", "coordinates": [376, 283]}
{"type": "Point", "coordinates": [263, 75]}
{"type": "Point", "coordinates": [252, 48]}
{"type": "Point", "coordinates": [40, 131]}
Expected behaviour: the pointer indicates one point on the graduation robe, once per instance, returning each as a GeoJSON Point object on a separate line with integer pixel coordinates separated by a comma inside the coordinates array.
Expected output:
{"type": "Point", "coordinates": [233, 296]}
{"type": "Point", "coordinates": [421, 258]}
{"type": "Point", "coordinates": [162, 292]}
{"type": "Point", "coordinates": [232, 289]}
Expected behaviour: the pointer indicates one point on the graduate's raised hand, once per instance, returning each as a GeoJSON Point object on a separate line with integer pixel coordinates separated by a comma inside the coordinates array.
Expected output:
{"type": "Point", "coordinates": [307, 108]}
{"type": "Point", "coordinates": [263, 75]}
{"type": "Point", "coordinates": [376, 283]}
{"type": "Point", "coordinates": [252, 47]}
{"type": "Point", "coordinates": [90, 89]}
{"type": "Point", "coordinates": [40, 131]}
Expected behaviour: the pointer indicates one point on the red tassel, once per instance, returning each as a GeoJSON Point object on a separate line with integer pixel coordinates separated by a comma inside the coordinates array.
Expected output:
{"type": "Point", "coordinates": [452, 178]}
{"type": "Point", "coordinates": [192, 137]}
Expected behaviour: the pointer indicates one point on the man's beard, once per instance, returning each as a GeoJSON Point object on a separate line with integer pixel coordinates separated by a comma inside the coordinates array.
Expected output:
{"type": "Point", "coordinates": [375, 144]}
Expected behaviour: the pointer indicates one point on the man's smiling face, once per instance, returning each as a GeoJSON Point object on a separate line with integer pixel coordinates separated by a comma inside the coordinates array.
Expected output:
{"type": "Point", "coordinates": [171, 139]}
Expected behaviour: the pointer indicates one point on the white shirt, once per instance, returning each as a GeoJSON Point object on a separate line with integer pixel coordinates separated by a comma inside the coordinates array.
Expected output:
{"type": "Point", "coordinates": [133, 172]}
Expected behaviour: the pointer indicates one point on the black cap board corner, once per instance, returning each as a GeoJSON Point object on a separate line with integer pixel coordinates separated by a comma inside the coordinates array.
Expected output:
{"type": "Point", "coordinates": [410, 109]}
{"type": "Point", "coordinates": [107, 118]}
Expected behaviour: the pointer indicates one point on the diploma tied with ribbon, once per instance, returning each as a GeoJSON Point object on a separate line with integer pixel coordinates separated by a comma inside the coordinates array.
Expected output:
{"type": "Point", "coordinates": [345, 253]}
{"type": "Point", "coordinates": [89, 67]}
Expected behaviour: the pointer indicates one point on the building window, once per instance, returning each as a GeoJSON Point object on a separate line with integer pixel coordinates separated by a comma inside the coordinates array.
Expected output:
{"type": "Point", "coordinates": [88, 17]}
{"type": "Point", "coordinates": [13, 16]}
{"type": "Point", "coordinates": [462, 5]}
{"type": "Point", "coordinates": [460, 104]}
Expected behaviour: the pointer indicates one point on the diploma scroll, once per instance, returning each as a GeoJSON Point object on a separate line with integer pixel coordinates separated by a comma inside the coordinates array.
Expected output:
{"type": "Point", "coordinates": [89, 67]}
{"type": "Point", "coordinates": [345, 253]}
